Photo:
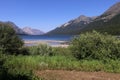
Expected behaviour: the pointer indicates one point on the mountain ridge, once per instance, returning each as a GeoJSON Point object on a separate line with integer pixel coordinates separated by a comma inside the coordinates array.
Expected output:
{"type": "Point", "coordinates": [72, 25]}
{"type": "Point", "coordinates": [100, 22]}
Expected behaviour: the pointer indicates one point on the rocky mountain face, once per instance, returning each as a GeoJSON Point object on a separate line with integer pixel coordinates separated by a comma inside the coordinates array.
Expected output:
{"type": "Point", "coordinates": [30, 31]}
{"type": "Point", "coordinates": [107, 22]}
{"type": "Point", "coordinates": [81, 20]}
{"type": "Point", "coordinates": [72, 26]}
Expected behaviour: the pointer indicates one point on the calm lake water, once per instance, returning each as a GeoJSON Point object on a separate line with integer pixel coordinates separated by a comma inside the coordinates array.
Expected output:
{"type": "Point", "coordinates": [44, 37]}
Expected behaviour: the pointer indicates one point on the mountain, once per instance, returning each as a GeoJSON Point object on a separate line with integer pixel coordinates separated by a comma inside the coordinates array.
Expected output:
{"type": "Point", "coordinates": [110, 13]}
{"type": "Point", "coordinates": [29, 31]}
{"type": "Point", "coordinates": [73, 26]}
{"type": "Point", "coordinates": [112, 26]}
{"type": "Point", "coordinates": [14, 26]}
{"type": "Point", "coordinates": [109, 22]}
{"type": "Point", "coordinates": [25, 31]}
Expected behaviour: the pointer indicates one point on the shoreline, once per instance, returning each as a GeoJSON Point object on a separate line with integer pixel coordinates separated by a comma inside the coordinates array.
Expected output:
{"type": "Point", "coordinates": [52, 43]}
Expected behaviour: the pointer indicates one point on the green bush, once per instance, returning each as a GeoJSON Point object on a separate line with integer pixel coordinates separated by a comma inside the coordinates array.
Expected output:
{"type": "Point", "coordinates": [24, 50]}
{"type": "Point", "coordinates": [95, 46]}
{"type": "Point", "coordinates": [9, 41]}
{"type": "Point", "coordinates": [41, 49]}
{"type": "Point", "coordinates": [56, 51]}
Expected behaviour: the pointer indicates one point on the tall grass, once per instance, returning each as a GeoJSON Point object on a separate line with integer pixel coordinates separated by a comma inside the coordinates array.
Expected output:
{"type": "Point", "coordinates": [41, 49]}
{"type": "Point", "coordinates": [14, 72]}
{"type": "Point", "coordinates": [46, 50]}
{"type": "Point", "coordinates": [22, 64]}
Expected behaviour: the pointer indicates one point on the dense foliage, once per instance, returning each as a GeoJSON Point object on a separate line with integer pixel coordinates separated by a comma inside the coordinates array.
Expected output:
{"type": "Point", "coordinates": [61, 51]}
{"type": "Point", "coordinates": [9, 41]}
{"type": "Point", "coordinates": [95, 46]}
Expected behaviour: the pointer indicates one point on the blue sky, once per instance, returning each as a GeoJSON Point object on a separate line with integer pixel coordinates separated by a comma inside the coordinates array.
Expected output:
{"type": "Point", "coordinates": [49, 14]}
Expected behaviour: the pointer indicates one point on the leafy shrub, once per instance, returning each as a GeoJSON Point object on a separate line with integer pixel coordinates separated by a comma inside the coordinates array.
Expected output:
{"type": "Point", "coordinates": [41, 49]}
{"type": "Point", "coordinates": [95, 46]}
{"type": "Point", "coordinates": [61, 51]}
{"type": "Point", "coordinates": [9, 41]}
{"type": "Point", "coordinates": [24, 51]}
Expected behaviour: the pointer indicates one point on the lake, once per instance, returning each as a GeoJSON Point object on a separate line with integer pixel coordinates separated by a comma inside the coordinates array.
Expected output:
{"type": "Point", "coordinates": [49, 39]}
{"type": "Point", "coordinates": [46, 37]}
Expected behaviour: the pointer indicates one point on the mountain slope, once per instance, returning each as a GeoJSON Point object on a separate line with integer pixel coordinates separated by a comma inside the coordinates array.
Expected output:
{"type": "Point", "coordinates": [112, 26]}
{"type": "Point", "coordinates": [73, 26]}
{"type": "Point", "coordinates": [110, 13]}
{"type": "Point", "coordinates": [109, 22]}
{"type": "Point", "coordinates": [30, 31]}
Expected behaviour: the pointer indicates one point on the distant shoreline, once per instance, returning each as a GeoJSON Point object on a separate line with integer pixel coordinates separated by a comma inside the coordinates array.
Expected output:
{"type": "Point", "coordinates": [53, 43]}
